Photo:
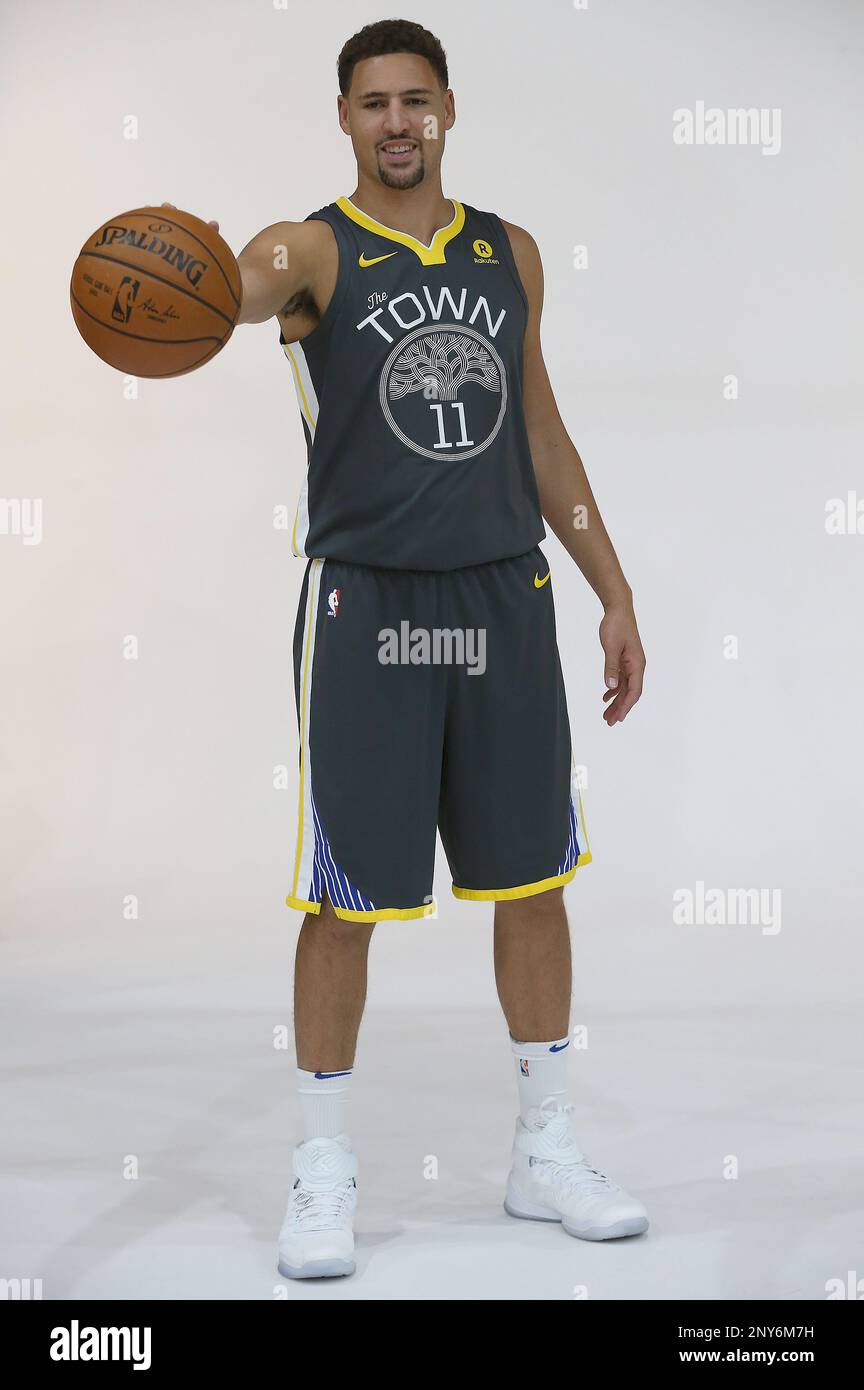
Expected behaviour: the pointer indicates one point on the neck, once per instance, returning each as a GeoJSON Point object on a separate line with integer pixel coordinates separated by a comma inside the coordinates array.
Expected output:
{"type": "Point", "coordinates": [420, 211]}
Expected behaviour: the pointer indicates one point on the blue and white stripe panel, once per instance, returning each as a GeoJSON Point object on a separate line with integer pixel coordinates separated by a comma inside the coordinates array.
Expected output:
{"type": "Point", "coordinates": [340, 890]}
{"type": "Point", "coordinates": [574, 849]}
{"type": "Point", "coordinates": [316, 864]}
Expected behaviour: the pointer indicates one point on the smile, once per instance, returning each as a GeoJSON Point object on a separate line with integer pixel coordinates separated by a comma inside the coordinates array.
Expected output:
{"type": "Point", "coordinates": [398, 150]}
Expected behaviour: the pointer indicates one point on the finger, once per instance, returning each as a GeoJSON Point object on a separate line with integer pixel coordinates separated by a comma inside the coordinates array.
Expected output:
{"type": "Point", "coordinates": [611, 714]}
{"type": "Point", "coordinates": [632, 687]}
{"type": "Point", "coordinates": [169, 205]}
{"type": "Point", "coordinates": [628, 697]}
{"type": "Point", "coordinates": [627, 704]}
{"type": "Point", "coordinates": [615, 711]}
{"type": "Point", "coordinates": [213, 224]}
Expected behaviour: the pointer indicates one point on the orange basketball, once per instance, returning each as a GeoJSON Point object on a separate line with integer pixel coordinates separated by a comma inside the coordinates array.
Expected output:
{"type": "Point", "coordinates": [155, 295]}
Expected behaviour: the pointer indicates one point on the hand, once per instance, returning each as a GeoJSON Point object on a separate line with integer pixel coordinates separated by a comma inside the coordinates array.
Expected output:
{"type": "Point", "coordinates": [209, 224]}
{"type": "Point", "coordinates": [625, 661]}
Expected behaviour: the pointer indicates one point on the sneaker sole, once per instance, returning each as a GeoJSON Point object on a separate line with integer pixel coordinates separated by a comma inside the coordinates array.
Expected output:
{"type": "Point", "coordinates": [538, 1213]}
{"type": "Point", "coordinates": [632, 1227]}
{"type": "Point", "coordinates": [317, 1269]}
{"type": "Point", "coordinates": [533, 1211]}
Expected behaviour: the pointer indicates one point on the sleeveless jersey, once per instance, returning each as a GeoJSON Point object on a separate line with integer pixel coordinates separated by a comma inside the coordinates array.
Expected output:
{"type": "Point", "coordinates": [410, 393]}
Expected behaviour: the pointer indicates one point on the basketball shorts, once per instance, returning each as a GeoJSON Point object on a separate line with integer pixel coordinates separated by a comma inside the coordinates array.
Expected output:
{"type": "Point", "coordinates": [431, 699]}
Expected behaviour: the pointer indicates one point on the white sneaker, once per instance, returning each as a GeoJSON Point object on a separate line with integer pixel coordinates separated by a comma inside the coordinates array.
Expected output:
{"type": "Point", "coordinates": [317, 1237]}
{"type": "Point", "coordinates": [551, 1180]}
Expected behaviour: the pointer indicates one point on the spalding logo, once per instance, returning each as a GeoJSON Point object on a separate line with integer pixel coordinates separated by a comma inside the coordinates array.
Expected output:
{"type": "Point", "coordinates": [185, 262]}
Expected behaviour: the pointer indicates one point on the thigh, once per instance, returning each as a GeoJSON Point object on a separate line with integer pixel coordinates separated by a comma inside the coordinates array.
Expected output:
{"type": "Point", "coordinates": [371, 736]}
{"type": "Point", "coordinates": [510, 814]}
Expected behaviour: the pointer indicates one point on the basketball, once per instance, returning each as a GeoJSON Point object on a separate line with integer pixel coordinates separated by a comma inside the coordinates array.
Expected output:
{"type": "Point", "coordinates": [155, 295]}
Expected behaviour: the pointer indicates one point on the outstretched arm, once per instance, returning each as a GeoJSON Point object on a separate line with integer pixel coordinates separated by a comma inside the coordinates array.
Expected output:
{"type": "Point", "coordinates": [568, 504]}
{"type": "Point", "coordinates": [283, 270]}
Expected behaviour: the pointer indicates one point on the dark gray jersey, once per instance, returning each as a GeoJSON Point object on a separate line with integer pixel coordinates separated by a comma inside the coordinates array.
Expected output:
{"type": "Point", "coordinates": [410, 392]}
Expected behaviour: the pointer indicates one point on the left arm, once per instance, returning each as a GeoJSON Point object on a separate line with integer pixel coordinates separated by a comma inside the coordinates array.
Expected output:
{"type": "Point", "coordinates": [567, 501]}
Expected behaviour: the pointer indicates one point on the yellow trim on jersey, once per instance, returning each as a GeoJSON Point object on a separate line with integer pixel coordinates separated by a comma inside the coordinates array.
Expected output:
{"type": "Point", "coordinates": [304, 406]}
{"type": "Point", "coordinates": [350, 914]}
{"type": "Point", "coordinates": [525, 890]}
{"type": "Point", "coordinates": [301, 393]}
{"type": "Point", "coordinates": [433, 254]}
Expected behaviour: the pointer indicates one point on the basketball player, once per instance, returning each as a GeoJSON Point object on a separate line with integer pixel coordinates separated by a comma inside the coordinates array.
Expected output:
{"type": "Point", "coordinates": [428, 681]}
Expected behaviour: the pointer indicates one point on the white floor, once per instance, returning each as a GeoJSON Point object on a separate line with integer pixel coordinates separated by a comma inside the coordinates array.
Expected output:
{"type": "Point", "coordinates": [178, 1074]}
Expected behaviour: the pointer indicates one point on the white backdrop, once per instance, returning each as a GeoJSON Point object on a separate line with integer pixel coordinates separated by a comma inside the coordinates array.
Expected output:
{"type": "Point", "coordinates": [740, 768]}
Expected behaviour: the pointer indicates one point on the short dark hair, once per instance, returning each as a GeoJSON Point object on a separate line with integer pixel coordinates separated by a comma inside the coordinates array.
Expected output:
{"type": "Point", "coordinates": [390, 36]}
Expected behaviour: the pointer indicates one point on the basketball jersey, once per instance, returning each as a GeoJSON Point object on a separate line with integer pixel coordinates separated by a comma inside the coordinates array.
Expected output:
{"type": "Point", "coordinates": [410, 393]}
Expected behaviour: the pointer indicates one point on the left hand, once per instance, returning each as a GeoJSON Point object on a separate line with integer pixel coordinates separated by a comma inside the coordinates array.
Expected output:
{"type": "Point", "coordinates": [625, 661]}
{"type": "Point", "coordinates": [215, 225]}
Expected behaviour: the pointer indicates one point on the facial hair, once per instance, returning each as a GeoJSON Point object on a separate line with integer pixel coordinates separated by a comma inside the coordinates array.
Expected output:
{"type": "Point", "coordinates": [391, 179]}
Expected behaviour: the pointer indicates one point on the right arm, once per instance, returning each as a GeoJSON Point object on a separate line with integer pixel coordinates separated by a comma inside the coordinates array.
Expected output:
{"type": "Point", "coordinates": [288, 270]}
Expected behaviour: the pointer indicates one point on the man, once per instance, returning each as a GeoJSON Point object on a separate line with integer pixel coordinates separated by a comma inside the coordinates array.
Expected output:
{"type": "Point", "coordinates": [428, 681]}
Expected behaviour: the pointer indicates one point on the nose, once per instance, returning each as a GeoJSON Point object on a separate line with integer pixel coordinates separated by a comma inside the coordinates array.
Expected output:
{"type": "Point", "coordinates": [395, 120]}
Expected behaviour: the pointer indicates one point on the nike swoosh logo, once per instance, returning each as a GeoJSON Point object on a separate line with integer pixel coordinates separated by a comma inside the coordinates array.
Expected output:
{"type": "Point", "coordinates": [538, 582]}
{"type": "Point", "coordinates": [374, 259]}
{"type": "Point", "coordinates": [325, 1075]}
{"type": "Point", "coordinates": [555, 1048]}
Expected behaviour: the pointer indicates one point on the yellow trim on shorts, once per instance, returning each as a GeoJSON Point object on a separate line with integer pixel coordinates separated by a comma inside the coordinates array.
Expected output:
{"type": "Point", "coordinates": [379, 914]}
{"type": "Point", "coordinates": [524, 890]}
{"type": "Point", "coordinates": [302, 905]}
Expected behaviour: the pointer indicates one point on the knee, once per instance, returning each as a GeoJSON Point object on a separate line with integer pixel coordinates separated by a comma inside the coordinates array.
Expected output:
{"type": "Point", "coordinates": [540, 906]}
{"type": "Point", "coordinates": [337, 931]}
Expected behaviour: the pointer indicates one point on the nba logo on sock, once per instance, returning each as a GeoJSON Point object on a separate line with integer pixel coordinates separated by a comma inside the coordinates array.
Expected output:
{"type": "Point", "coordinates": [523, 1066]}
{"type": "Point", "coordinates": [334, 598]}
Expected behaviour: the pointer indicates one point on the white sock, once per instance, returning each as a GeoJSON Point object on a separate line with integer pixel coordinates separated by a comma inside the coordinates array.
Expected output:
{"type": "Point", "coordinates": [323, 1101]}
{"type": "Point", "coordinates": [541, 1071]}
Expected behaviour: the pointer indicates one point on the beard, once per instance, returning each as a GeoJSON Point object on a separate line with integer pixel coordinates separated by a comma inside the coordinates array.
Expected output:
{"type": "Point", "coordinates": [395, 178]}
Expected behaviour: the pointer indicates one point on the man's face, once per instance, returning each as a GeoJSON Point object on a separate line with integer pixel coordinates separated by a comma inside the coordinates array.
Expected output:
{"type": "Point", "coordinates": [396, 115]}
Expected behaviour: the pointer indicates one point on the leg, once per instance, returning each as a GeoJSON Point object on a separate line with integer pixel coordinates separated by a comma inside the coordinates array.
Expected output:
{"type": "Point", "coordinates": [365, 852]}
{"type": "Point", "coordinates": [533, 965]}
{"type": "Point", "coordinates": [317, 1237]}
{"type": "Point", "coordinates": [370, 729]}
{"type": "Point", "coordinates": [550, 1178]}
{"type": "Point", "coordinates": [510, 812]}
{"type": "Point", "coordinates": [329, 989]}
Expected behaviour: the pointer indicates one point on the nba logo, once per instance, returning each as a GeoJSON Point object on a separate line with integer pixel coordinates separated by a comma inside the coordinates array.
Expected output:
{"type": "Point", "coordinates": [523, 1066]}
{"type": "Point", "coordinates": [334, 598]}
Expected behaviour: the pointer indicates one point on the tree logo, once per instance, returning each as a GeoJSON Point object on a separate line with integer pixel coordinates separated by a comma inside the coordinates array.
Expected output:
{"type": "Point", "coordinates": [444, 392]}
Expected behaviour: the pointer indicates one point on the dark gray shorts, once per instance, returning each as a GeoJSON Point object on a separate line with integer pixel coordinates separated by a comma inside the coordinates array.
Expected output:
{"type": "Point", "coordinates": [427, 699]}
